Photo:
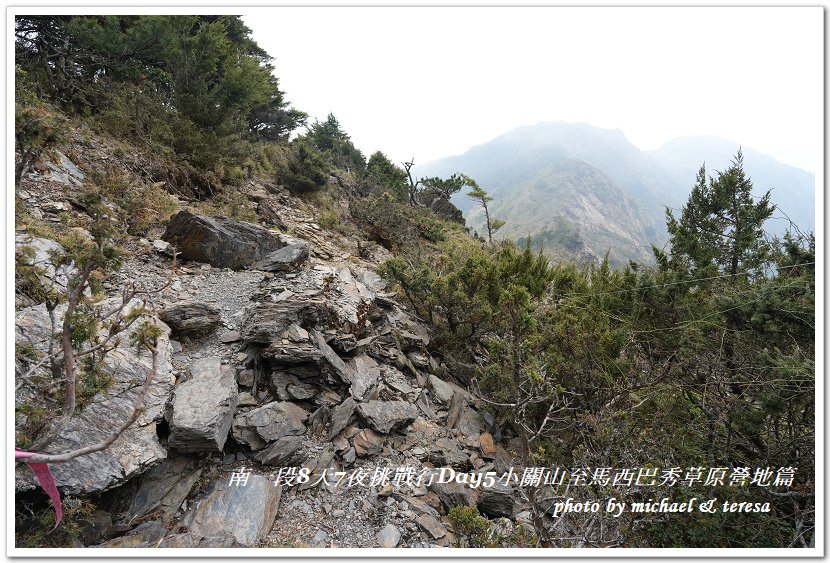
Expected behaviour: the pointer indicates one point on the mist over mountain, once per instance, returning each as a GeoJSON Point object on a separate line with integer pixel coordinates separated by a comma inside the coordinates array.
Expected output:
{"type": "Point", "coordinates": [579, 190]}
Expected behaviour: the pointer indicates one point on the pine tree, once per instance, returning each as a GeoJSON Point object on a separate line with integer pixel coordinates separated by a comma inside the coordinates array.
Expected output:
{"type": "Point", "coordinates": [720, 229]}
{"type": "Point", "coordinates": [483, 198]}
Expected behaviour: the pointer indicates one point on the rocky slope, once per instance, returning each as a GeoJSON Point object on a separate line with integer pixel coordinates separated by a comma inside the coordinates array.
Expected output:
{"type": "Point", "coordinates": [278, 351]}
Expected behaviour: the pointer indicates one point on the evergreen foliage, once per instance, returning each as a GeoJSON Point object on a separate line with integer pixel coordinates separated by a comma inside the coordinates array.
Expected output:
{"type": "Point", "coordinates": [335, 144]}
{"type": "Point", "coordinates": [306, 169]}
{"type": "Point", "coordinates": [721, 226]}
{"type": "Point", "coordinates": [482, 197]}
{"type": "Point", "coordinates": [197, 86]}
{"type": "Point", "coordinates": [382, 174]}
{"type": "Point", "coordinates": [646, 367]}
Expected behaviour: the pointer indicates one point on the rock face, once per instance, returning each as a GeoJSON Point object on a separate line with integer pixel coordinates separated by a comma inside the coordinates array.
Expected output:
{"type": "Point", "coordinates": [220, 241]}
{"type": "Point", "coordinates": [365, 373]}
{"type": "Point", "coordinates": [286, 259]}
{"type": "Point", "coordinates": [138, 448]}
{"type": "Point", "coordinates": [191, 320]}
{"type": "Point", "coordinates": [268, 423]}
{"type": "Point", "coordinates": [164, 487]}
{"type": "Point", "coordinates": [497, 500]}
{"type": "Point", "coordinates": [203, 408]}
{"type": "Point", "coordinates": [455, 494]}
{"type": "Point", "coordinates": [245, 512]}
{"type": "Point", "coordinates": [386, 416]}
{"type": "Point", "coordinates": [38, 252]}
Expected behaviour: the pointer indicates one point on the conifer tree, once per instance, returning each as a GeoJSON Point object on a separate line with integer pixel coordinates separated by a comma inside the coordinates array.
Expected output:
{"type": "Point", "coordinates": [483, 197]}
{"type": "Point", "coordinates": [720, 230]}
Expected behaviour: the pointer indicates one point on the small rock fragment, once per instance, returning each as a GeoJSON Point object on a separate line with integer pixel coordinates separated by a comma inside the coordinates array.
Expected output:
{"type": "Point", "coordinates": [389, 536]}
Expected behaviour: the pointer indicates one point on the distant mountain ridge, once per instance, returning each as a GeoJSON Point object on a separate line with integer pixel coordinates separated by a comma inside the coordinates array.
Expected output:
{"type": "Point", "coordinates": [580, 191]}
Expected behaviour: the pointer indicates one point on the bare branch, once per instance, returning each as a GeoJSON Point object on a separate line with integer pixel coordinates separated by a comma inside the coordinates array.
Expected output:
{"type": "Point", "coordinates": [138, 407]}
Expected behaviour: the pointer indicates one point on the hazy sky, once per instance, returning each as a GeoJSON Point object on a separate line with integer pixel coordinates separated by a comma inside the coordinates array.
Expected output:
{"type": "Point", "coordinates": [432, 82]}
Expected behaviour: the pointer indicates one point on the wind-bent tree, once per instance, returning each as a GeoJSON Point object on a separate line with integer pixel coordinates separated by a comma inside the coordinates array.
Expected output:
{"type": "Point", "coordinates": [479, 195]}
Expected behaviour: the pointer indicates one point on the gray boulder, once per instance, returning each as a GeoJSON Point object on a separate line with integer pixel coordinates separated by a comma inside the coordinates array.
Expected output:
{"type": "Point", "coordinates": [203, 408]}
{"type": "Point", "coordinates": [497, 501]}
{"type": "Point", "coordinates": [220, 241]}
{"type": "Point", "coordinates": [364, 374]}
{"type": "Point", "coordinates": [286, 259]}
{"type": "Point", "coordinates": [367, 443]}
{"type": "Point", "coordinates": [469, 423]}
{"type": "Point", "coordinates": [455, 494]}
{"type": "Point", "coordinates": [431, 526]}
{"type": "Point", "coordinates": [269, 323]}
{"type": "Point", "coordinates": [386, 416]}
{"type": "Point", "coordinates": [148, 534]}
{"type": "Point", "coordinates": [345, 372]}
{"type": "Point", "coordinates": [285, 451]}
{"type": "Point", "coordinates": [191, 319]}
{"type": "Point", "coordinates": [447, 453]}
{"type": "Point", "coordinates": [164, 488]}
{"type": "Point", "coordinates": [441, 389]}
{"type": "Point", "coordinates": [247, 512]}
{"type": "Point", "coordinates": [340, 416]}
{"type": "Point", "coordinates": [268, 423]}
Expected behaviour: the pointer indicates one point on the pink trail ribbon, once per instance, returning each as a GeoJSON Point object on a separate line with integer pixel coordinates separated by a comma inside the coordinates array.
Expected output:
{"type": "Point", "coordinates": [46, 481]}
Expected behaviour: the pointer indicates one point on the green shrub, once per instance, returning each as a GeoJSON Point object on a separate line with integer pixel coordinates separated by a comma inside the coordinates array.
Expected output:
{"type": "Point", "coordinates": [36, 130]}
{"type": "Point", "coordinates": [305, 170]}
{"type": "Point", "coordinates": [33, 527]}
{"type": "Point", "coordinates": [143, 205]}
{"type": "Point", "coordinates": [232, 203]}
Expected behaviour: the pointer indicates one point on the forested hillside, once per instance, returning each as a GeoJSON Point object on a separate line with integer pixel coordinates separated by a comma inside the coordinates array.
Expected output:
{"type": "Point", "coordinates": [210, 288]}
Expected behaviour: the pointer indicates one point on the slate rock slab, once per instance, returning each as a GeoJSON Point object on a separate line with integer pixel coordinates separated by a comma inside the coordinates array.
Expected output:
{"type": "Point", "coordinates": [389, 536]}
{"type": "Point", "coordinates": [164, 487]}
{"type": "Point", "coordinates": [148, 534]}
{"type": "Point", "coordinates": [203, 408]}
{"type": "Point", "coordinates": [191, 319]}
{"type": "Point", "coordinates": [268, 423]}
{"type": "Point", "coordinates": [455, 494]}
{"type": "Point", "coordinates": [497, 501]}
{"type": "Point", "coordinates": [286, 259]}
{"type": "Point", "coordinates": [220, 241]}
{"type": "Point", "coordinates": [285, 451]}
{"type": "Point", "coordinates": [367, 443]}
{"type": "Point", "coordinates": [442, 390]}
{"type": "Point", "coordinates": [431, 526]}
{"type": "Point", "coordinates": [387, 416]}
{"type": "Point", "coordinates": [247, 512]}
{"type": "Point", "coordinates": [365, 373]}
{"type": "Point", "coordinates": [340, 416]}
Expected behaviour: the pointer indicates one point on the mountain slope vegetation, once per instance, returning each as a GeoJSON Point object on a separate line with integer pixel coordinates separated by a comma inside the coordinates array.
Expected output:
{"type": "Point", "coordinates": [522, 170]}
{"type": "Point", "coordinates": [366, 324]}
